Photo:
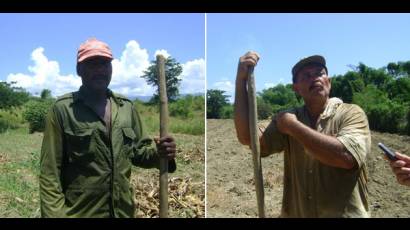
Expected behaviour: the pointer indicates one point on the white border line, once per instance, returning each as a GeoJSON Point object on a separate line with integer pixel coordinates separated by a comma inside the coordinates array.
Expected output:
{"type": "Point", "coordinates": [205, 137]}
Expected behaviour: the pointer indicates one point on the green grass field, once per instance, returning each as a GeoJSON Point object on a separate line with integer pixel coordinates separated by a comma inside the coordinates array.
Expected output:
{"type": "Point", "coordinates": [19, 165]}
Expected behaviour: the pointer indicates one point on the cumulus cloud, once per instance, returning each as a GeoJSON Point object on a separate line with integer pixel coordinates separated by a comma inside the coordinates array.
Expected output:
{"type": "Point", "coordinates": [227, 86]}
{"type": "Point", "coordinates": [45, 74]}
{"type": "Point", "coordinates": [163, 52]}
{"type": "Point", "coordinates": [127, 71]}
{"type": "Point", "coordinates": [271, 84]}
{"type": "Point", "coordinates": [193, 77]}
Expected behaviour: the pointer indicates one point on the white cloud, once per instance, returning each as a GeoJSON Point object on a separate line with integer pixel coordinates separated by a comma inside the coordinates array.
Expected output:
{"type": "Point", "coordinates": [163, 52]}
{"type": "Point", "coordinates": [45, 74]}
{"type": "Point", "coordinates": [126, 78]}
{"type": "Point", "coordinates": [271, 84]}
{"type": "Point", "coordinates": [128, 69]}
{"type": "Point", "coordinates": [226, 86]}
{"type": "Point", "coordinates": [193, 77]}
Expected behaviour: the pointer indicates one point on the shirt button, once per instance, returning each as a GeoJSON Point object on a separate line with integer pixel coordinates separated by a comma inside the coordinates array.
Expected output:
{"type": "Point", "coordinates": [310, 171]}
{"type": "Point", "coordinates": [309, 197]}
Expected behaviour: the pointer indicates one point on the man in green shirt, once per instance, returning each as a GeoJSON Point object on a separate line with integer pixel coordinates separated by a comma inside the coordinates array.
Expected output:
{"type": "Point", "coordinates": [325, 143]}
{"type": "Point", "coordinates": [92, 139]}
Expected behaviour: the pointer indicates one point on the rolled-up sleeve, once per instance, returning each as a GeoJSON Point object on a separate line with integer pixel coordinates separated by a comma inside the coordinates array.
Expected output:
{"type": "Point", "coordinates": [273, 139]}
{"type": "Point", "coordinates": [354, 134]}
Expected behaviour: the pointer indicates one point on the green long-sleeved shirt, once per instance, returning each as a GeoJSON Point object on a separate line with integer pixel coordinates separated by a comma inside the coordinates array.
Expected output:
{"type": "Point", "coordinates": [84, 168]}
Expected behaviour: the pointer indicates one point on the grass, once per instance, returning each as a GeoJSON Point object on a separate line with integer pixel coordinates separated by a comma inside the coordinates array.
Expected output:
{"type": "Point", "coordinates": [194, 125]}
{"type": "Point", "coordinates": [19, 168]}
{"type": "Point", "coordinates": [20, 151]}
{"type": "Point", "coordinates": [10, 119]}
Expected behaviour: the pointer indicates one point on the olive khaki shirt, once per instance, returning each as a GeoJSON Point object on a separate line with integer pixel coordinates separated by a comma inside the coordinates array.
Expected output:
{"type": "Point", "coordinates": [313, 189]}
{"type": "Point", "coordinates": [85, 165]}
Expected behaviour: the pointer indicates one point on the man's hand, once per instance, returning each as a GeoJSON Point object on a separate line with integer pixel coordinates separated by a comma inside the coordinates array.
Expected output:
{"type": "Point", "coordinates": [284, 121]}
{"type": "Point", "coordinates": [401, 168]}
{"type": "Point", "coordinates": [166, 147]}
{"type": "Point", "coordinates": [250, 59]}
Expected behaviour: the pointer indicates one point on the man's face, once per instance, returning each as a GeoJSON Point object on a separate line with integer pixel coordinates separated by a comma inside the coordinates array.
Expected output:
{"type": "Point", "coordinates": [96, 73]}
{"type": "Point", "coordinates": [312, 82]}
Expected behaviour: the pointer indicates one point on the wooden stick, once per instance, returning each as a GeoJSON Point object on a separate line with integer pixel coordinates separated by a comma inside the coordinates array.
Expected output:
{"type": "Point", "coordinates": [163, 166]}
{"type": "Point", "coordinates": [253, 128]}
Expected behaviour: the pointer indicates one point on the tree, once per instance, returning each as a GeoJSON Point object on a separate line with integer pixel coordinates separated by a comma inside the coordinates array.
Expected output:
{"type": "Point", "coordinates": [12, 96]}
{"type": "Point", "coordinates": [279, 98]}
{"type": "Point", "coordinates": [172, 71]}
{"type": "Point", "coordinates": [215, 101]}
{"type": "Point", "coordinates": [344, 86]}
{"type": "Point", "coordinates": [384, 115]}
{"type": "Point", "coordinates": [46, 94]}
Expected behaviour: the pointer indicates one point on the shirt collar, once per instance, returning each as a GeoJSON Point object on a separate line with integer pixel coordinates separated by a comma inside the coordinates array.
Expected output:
{"type": "Point", "coordinates": [82, 94]}
{"type": "Point", "coordinates": [331, 107]}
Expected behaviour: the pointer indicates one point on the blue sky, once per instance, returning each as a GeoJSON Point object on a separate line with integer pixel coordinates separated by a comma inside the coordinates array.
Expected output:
{"type": "Point", "coordinates": [39, 50]}
{"type": "Point", "coordinates": [282, 39]}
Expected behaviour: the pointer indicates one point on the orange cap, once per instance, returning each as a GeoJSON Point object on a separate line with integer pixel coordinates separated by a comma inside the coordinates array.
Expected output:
{"type": "Point", "coordinates": [91, 48]}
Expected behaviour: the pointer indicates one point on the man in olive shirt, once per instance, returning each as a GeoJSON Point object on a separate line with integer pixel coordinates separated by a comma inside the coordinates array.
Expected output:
{"type": "Point", "coordinates": [325, 143]}
{"type": "Point", "coordinates": [92, 139]}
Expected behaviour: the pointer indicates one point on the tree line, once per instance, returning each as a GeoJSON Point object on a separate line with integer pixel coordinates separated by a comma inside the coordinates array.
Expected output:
{"type": "Point", "coordinates": [383, 93]}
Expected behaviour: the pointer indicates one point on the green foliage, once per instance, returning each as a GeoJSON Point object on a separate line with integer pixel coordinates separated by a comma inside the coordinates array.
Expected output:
{"type": "Point", "coordinates": [399, 89]}
{"type": "Point", "coordinates": [399, 69]}
{"type": "Point", "coordinates": [10, 119]}
{"type": "Point", "coordinates": [408, 122]}
{"type": "Point", "coordinates": [344, 86]}
{"type": "Point", "coordinates": [279, 98]}
{"type": "Point", "coordinates": [12, 96]}
{"type": "Point", "coordinates": [35, 113]}
{"type": "Point", "coordinates": [227, 112]}
{"type": "Point", "coordinates": [264, 109]}
{"type": "Point", "coordinates": [186, 115]}
{"type": "Point", "coordinates": [215, 101]}
{"type": "Point", "coordinates": [184, 107]}
{"type": "Point", "coordinates": [172, 71]}
{"type": "Point", "coordinates": [383, 114]}
{"type": "Point", "coordinates": [46, 94]}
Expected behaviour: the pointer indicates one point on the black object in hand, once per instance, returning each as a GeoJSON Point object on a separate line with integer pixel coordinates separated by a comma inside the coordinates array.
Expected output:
{"type": "Point", "coordinates": [390, 154]}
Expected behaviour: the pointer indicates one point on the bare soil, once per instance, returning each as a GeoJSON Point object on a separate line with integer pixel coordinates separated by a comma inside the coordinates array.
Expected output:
{"type": "Point", "coordinates": [231, 190]}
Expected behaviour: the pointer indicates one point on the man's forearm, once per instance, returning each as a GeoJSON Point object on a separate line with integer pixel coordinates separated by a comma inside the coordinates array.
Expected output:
{"type": "Point", "coordinates": [241, 112]}
{"type": "Point", "coordinates": [326, 149]}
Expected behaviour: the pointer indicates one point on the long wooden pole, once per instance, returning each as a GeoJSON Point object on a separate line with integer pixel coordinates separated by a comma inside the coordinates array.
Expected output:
{"type": "Point", "coordinates": [253, 128]}
{"type": "Point", "coordinates": [163, 166]}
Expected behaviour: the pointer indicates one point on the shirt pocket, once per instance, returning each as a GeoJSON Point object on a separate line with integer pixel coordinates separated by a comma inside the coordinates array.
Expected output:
{"type": "Point", "coordinates": [128, 142]}
{"type": "Point", "coordinates": [80, 145]}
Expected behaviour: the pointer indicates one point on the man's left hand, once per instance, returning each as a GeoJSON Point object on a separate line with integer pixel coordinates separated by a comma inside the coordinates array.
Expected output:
{"type": "Point", "coordinates": [166, 146]}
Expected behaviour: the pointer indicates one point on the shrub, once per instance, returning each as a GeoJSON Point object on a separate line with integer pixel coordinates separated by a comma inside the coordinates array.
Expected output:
{"type": "Point", "coordinates": [10, 119]}
{"type": "Point", "coordinates": [227, 112]}
{"type": "Point", "coordinates": [384, 115]}
{"type": "Point", "coordinates": [35, 113]}
{"type": "Point", "coordinates": [181, 108]}
{"type": "Point", "coordinates": [264, 109]}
